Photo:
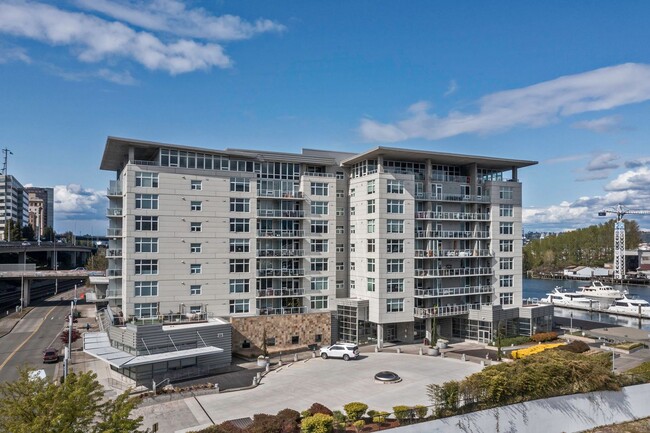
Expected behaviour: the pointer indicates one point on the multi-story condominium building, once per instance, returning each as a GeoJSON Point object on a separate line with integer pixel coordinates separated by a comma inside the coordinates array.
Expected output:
{"type": "Point", "coordinates": [41, 208]}
{"type": "Point", "coordinates": [308, 248]}
{"type": "Point", "coordinates": [14, 204]}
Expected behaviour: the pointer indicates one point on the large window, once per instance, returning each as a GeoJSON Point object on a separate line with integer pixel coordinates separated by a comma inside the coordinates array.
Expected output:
{"type": "Point", "coordinates": [145, 288]}
{"type": "Point", "coordinates": [339, 229]}
{"type": "Point", "coordinates": [145, 310]}
{"type": "Point", "coordinates": [146, 245]}
{"type": "Point", "coordinates": [395, 226]}
{"type": "Point", "coordinates": [145, 179]}
{"type": "Point", "coordinates": [318, 302]}
{"type": "Point", "coordinates": [239, 286]}
{"type": "Point", "coordinates": [239, 245]}
{"type": "Point", "coordinates": [394, 305]}
{"type": "Point", "coordinates": [319, 283]}
{"type": "Point", "coordinates": [146, 267]}
{"type": "Point", "coordinates": [319, 246]}
{"type": "Point", "coordinates": [506, 246]}
{"type": "Point", "coordinates": [371, 285]}
{"type": "Point", "coordinates": [506, 263]}
{"type": "Point", "coordinates": [394, 285]}
{"type": "Point", "coordinates": [318, 264]}
{"type": "Point", "coordinates": [371, 186]}
{"type": "Point", "coordinates": [240, 184]}
{"type": "Point", "coordinates": [505, 210]}
{"type": "Point", "coordinates": [506, 298]}
{"type": "Point", "coordinates": [371, 245]}
{"type": "Point", "coordinates": [239, 225]}
{"type": "Point", "coordinates": [371, 265]}
{"type": "Point", "coordinates": [239, 265]}
{"type": "Point", "coordinates": [146, 223]}
{"type": "Point", "coordinates": [196, 206]}
{"type": "Point", "coordinates": [395, 206]}
{"type": "Point", "coordinates": [505, 281]}
{"type": "Point", "coordinates": [371, 206]}
{"type": "Point", "coordinates": [394, 265]}
{"type": "Point", "coordinates": [394, 245]}
{"type": "Point", "coordinates": [505, 228]}
{"type": "Point", "coordinates": [238, 306]}
{"type": "Point", "coordinates": [319, 208]}
{"type": "Point", "coordinates": [319, 188]}
{"type": "Point", "coordinates": [146, 201]}
{"type": "Point", "coordinates": [240, 205]}
{"type": "Point", "coordinates": [506, 193]}
{"type": "Point", "coordinates": [195, 268]}
{"type": "Point", "coordinates": [319, 227]}
{"type": "Point", "coordinates": [394, 186]}
{"type": "Point", "coordinates": [371, 226]}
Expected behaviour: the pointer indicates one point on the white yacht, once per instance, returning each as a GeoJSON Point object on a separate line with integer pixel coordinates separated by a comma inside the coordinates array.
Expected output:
{"type": "Point", "coordinates": [569, 299]}
{"type": "Point", "coordinates": [632, 306]}
{"type": "Point", "coordinates": [599, 290]}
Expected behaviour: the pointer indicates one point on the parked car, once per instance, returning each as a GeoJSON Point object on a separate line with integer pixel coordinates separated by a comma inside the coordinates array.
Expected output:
{"type": "Point", "coordinates": [25, 244]}
{"type": "Point", "coordinates": [50, 355]}
{"type": "Point", "coordinates": [346, 351]}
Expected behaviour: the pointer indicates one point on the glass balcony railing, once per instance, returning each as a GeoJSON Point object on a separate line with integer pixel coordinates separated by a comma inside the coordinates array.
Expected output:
{"type": "Point", "coordinates": [280, 272]}
{"type": "Point", "coordinates": [452, 291]}
{"type": "Point", "coordinates": [452, 234]}
{"type": "Point", "coordinates": [452, 272]}
{"type": "Point", "coordinates": [281, 233]}
{"type": "Point", "coordinates": [282, 310]}
{"type": "Point", "coordinates": [278, 213]}
{"type": "Point", "coordinates": [114, 212]}
{"type": "Point", "coordinates": [274, 193]}
{"type": "Point", "coordinates": [454, 216]}
{"type": "Point", "coordinates": [445, 310]}
{"type": "Point", "coordinates": [114, 272]}
{"type": "Point", "coordinates": [113, 254]}
{"type": "Point", "coordinates": [113, 232]}
{"type": "Point", "coordinates": [273, 293]}
{"type": "Point", "coordinates": [280, 253]}
{"type": "Point", "coordinates": [452, 253]}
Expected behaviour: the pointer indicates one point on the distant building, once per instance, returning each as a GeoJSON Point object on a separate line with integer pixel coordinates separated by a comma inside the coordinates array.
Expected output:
{"type": "Point", "coordinates": [585, 272]}
{"type": "Point", "coordinates": [41, 208]}
{"type": "Point", "coordinates": [14, 203]}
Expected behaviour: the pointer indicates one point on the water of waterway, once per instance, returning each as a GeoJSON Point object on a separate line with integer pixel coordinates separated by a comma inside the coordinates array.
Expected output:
{"type": "Point", "coordinates": [539, 288]}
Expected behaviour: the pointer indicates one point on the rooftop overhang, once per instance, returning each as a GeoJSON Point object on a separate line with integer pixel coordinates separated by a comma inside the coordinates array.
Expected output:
{"type": "Point", "coordinates": [393, 153]}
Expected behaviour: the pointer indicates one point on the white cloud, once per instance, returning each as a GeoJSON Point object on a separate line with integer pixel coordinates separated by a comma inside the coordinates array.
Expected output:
{"type": "Point", "coordinates": [604, 124]}
{"type": "Point", "coordinates": [93, 39]}
{"type": "Point", "coordinates": [632, 180]}
{"type": "Point", "coordinates": [173, 17]}
{"type": "Point", "coordinates": [568, 158]}
{"type": "Point", "coordinates": [13, 54]}
{"type": "Point", "coordinates": [533, 106]}
{"type": "Point", "coordinates": [453, 86]}
{"type": "Point", "coordinates": [76, 202]}
{"type": "Point", "coordinates": [603, 161]}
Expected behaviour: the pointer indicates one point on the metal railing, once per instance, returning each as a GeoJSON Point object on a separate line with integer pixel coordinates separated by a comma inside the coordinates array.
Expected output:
{"type": "Point", "coordinates": [282, 233]}
{"type": "Point", "coordinates": [451, 234]}
{"type": "Point", "coordinates": [112, 254]}
{"type": "Point", "coordinates": [307, 173]}
{"type": "Point", "coordinates": [113, 232]}
{"type": "Point", "coordinates": [275, 193]}
{"type": "Point", "coordinates": [280, 272]}
{"type": "Point", "coordinates": [266, 293]}
{"type": "Point", "coordinates": [461, 216]}
{"type": "Point", "coordinates": [113, 294]}
{"type": "Point", "coordinates": [114, 272]}
{"type": "Point", "coordinates": [452, 253]}
{"type": "Point", "coordinates": [452, 197]}
{"type": "Point", "coordinates": [445, 310]}
{"type": "Point", "coordinates": [279, 213]}
{"type": "Point", "coordinates": [280, 253]}
{"type": "Point", "coordinates": [452, 272]}
{"type": "Point", "coordinates": [452, 291]}
{"type": "Point", "coordinates": [115, 211]}
{"type": "Point", "coordinates": [438, 177]}
{"type": "Point", "coordinates": [282, 310]}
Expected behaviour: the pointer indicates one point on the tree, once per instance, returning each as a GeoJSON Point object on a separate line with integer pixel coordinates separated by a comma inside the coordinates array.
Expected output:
{"type": "Point", "coordinates": [12, 230]}
{"type": "Point", "coordinates": [98, 261]}
{"type": "Point", "coordinates": [76, 406]}
{"type": "Point", "coordinates": [75, 335]}
{"type": "Point", "coordinates": [27, 232]}
{"type": "Point", "coordinates": [48, 233]}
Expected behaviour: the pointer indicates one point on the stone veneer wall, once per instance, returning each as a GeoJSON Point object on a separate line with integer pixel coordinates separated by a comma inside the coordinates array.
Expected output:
{"type": "Point", "coordinates": [282, 328]}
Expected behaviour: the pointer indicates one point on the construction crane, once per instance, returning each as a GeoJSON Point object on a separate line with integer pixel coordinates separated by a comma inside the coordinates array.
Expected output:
{"type": "Point", "coordinates": [619, 235]}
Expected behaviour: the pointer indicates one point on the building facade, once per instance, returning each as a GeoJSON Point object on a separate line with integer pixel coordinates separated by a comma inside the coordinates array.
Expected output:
{"type": "Point", "coordinates": [380, 242]}
{"type": "Point", "coordinates": [14, 204]}
{"type": "Point", "coordinates": [41, 208]}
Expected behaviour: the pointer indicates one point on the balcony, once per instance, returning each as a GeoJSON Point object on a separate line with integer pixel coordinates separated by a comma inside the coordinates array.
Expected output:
{"type": "Point", "coordinates": [281, 233]}
{"type": "Point", "coordinates": [308, 173]}
{"type": "Point", "coordinates": [113, 294]}
{"type": "Point", "coordinates": [114, 273]}
{"type": "Point", "coordinates": [450, 234]}
{"type": "Point", "coordinates": [452, 253]}
{"type": "Point", "coordinates": [453, 216]}
{"type": "Point", "coordinates": [274, 193]}
{"type": "Point", "coordinates": [280, 272]}
{"type": "Point", "coordinates": [441, 177]}
{"type": "Point", "coordinates": [445, 310]}
{"type": "Point", "coordinates": [276, 293]}
{"type": "Point", "coordinates": [452, 272]}
{"type": "Point", "coordinates": [452, 197]}
{"type": "Point", "coordinates": [278, 213]}
{"type": "Point", "coordinates": [283, 310]}
{"type": "Point", "coordinates": [113, 254]}
{"type": "Point", "coordinates": [114, 189]}
{"type": "Point", "coordinates": [280, 253]}
{"type": "Point", "coordinates": [114, 212]}
{"type": "Point", "coordinates": [113, 232]}
{"type": "Point", "coordinates": [452, 291]}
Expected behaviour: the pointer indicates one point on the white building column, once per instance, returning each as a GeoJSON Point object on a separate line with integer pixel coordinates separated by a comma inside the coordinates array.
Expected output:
{"type": "Point", "coordinates": [380, 336]}
{"type": "Point", "coordinates": [428, 328]}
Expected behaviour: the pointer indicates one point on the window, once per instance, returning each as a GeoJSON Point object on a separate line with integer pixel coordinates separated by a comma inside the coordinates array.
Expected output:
{"type": "Point", "coordinates": [240, 205]}
{"type": "Point", "coordinates": [371, 226]}
{"type": "Point", "coordinates": [353, 248]}
{"type": "Point", "coordinates": [394, 265]}
{"type": "Point", "coordinates": [196, 185]}
{"type": "Point", "coordinates": [371, 245]}
{"type": "Point", "coordinates": [505, 281]}
{"type": "Point", "coordinates": [395, 226]}
{"type": "Point", "coordinates": [319, 246]}
{"type": "Point", "coordinates": [239, 225]}
{"type": "Point", "coordinates": [146, 267]}
{"type": "Point", "coordinates": [505, 210]}
{"type": "Point", "coordinates": [395, 245]}
{"type": "Point", "coordinates": [394, 285]}
{"type": "Point", "coordinates": [295, 339]}
{"type": "Point", "coordinates": [340, 211]}
{"type": "Point", "coordinates": [195, 289]}
{"type": "Point", "coordinates": [240, 184]}
{"type": "Point", "coordinates": [394, 305]}
{"type": "Point", "coordinates": [146, 288]}
{"type": "Point", "coordinates": [320, 283]}
{"type": "Point", "coordinates": [146, 201]}
{"type": "Point", "coordinates": [239, 265]}
{"type": "Point", "coordinates": [146, 245]}
{"type": "Point", "coordinates": [352, 266]}
{"type": "Point", "coordinates": [371, 206]}
{"type": "Point", "coordinates": [195, 309]}
{"type": "Point", "coordinates": [149, 309]}
{"type": "Point", "coordinates": [319, 227]}
{"type": "Point", "coordinates": [319, 208]}
{"type": "Point", "coordinates": [195, 248]}
{"type": "Point", "coordinates": [395, 206]}
{"type": "Point", "coordinates": [353, 284]}
{"type": "Point", "coordinates": [318, 264]}
{"type": "Point", "coordinates": [353, 192]}
{"type": "Point", "coordinates": [239, 286]}
{"type": "Point", "coordinates": [353, 211]}
{"type": "Point", "coordinates": [506, 246]}
{"type": "Point", "coordinates": [371, 265]}
{"type": "Point", "coordinates": [340, 248]}
{"type": "Point", "coordinates": [506, 263]}
{"type": "Point", "coordinates": [371, 186]}
{"type": "Point", "coordinates": [339, 284]}
{"type": "Point", "coordinates": [353, 228]}
{"type": "Point", "coordinates": [506, 298]}
{"type": "Point", "coordinates": [318, 302]}
{"type": "Point", "coordinates": [340, 175]}
{"type": "Point", "coordinates": [195, 268]}
{"type": "Point", "coordinates": [238, 306]}
{"type": "Point", "coordinates": [340, 266]}
{"type": "Point", "coordinates": [146, 223]}
{"type": "Point", "coordinates": [319, 188]}
{"type": "Point", "coordinates": [239, 245]}
{"type": "Point", "coordinates": [371, 285]}
{"type": "Point", "coordinates": [195, 227]}
{"type": "Point", "coordinates": [340, 193]}
{"type": "Point", "coordinates": [339, 230]}
{"type": "Point", "coordinates": [505, 193]}
{"type": "Point", "coordinates": [147, 180]}
{"type": "Point", "coordinates": [394, 187]}
{"type": "Point", "coordinates": [505, 228]}
{"type": "Point", "coordinates": [196, 206]}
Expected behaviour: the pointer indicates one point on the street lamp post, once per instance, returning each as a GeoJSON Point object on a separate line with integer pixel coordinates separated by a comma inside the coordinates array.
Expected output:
{"type": "Point", "coordinates": [571, 323]}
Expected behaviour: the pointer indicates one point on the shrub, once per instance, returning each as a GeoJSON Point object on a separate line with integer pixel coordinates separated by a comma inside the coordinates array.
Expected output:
{"type": "Point", "coordinates": [319, 423]}
{"type": "Point", "coordinates": [359, 425]}
{"type": "Point", "coordinates": [380, 417]}
{"type": "Point", "coordinates": [355, 410]}
{"type": "Point", "coordinates": [402, 413]}
{"type": "Point", "coordinates": [628, 345]}
{"type": "Point", "coordinates": [291, 416]}
{"type": "Point", "coordinates": [522, 353]}
{"type": "Point", "coordinates": [508, 341]}
{"type": "Point", "coordinates": [319, 408]}
{"type": "Point", "coordinates": [420, 411]}
{"type": "Point", "coordinates": [339, 420]}
{"type": "Point", "coordinates": [575, 347]}
{"type": "Point", "coordinates": [544, 336]}
{"type": "Point", "coordinates": [264, 423]}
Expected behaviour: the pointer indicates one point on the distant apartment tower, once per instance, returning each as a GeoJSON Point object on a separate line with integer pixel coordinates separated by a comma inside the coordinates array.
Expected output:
{"type": "Point", "coordinates": [318, 246]}
{"type": "Point", "coordinates": [41, 208]}
{"type": "Point", "coordinates": [14, 204]}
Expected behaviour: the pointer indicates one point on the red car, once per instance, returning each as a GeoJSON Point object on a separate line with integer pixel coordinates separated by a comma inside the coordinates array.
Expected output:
{"type": "Point", "coordinates": [50, 355]}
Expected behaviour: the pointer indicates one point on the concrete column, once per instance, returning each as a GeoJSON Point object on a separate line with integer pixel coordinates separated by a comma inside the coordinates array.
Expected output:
{"type": "Point", "coordinates": [25, 291]}
{"type": "Point", "coordinates": [380, 335]}
{"type": "Point", "coordinates": [427, 327]}
{"type": "Point", "coordinates": [131, 154]}
{"type": "Point", "coordinates": [22, 258]}
{"type": "Point", "coordinates": [73, 259]}
{"type": "Point", "coordinates": [514, 173]}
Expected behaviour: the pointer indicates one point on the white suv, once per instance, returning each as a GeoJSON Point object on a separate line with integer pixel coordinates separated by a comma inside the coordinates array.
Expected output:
{"type": "Point", "coordinates": [340, 350]}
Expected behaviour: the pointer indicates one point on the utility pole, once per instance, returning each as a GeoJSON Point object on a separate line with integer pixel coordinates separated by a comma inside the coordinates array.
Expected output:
{"type": "Point", "coordinates": [6, 152]}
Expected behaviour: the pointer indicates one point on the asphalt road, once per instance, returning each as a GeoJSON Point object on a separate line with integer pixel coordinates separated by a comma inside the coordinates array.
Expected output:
{"type": "Point", "coordinates": [38, 330]}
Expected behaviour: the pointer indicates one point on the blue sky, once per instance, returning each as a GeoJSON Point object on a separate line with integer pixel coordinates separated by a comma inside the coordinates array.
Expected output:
{"type": "Point", "coordinates": [563, 83]}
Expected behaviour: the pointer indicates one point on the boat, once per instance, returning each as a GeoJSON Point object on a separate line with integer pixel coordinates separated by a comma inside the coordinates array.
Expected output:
{"type": "Point", "coordinates": [569, 299]}
{"type": "Point", "coordinates": [630, 306]}
{"type": "Point", "coordinates": [599, 290]}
